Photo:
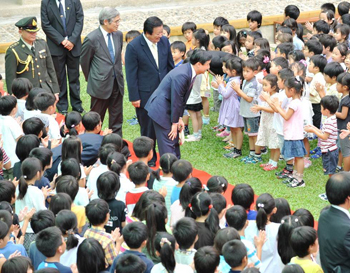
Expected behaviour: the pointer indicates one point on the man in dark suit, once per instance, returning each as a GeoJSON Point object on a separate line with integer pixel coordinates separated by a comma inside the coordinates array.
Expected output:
{"type": "Point", "coordinates": [334, 226]}
{"type": "Point", "coordinates": [102, 67]}
{"type": "Point", "coordinates": [62, 21]}
{"type": "Point", "coordinates": [148, 59]}
{"type": "Point", "coordinates": [166, 105]}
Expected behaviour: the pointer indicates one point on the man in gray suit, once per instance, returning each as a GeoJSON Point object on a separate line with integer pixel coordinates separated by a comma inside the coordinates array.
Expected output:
{"type": "Point", "coordinates": [102, 67]}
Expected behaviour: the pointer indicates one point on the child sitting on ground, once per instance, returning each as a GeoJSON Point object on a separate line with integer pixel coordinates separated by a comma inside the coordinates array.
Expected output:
{"type": "Point", "coordinates": [206, 260]}
{"type": "Point", "coordinates": [243, 195]}
{"type": "Point", "coordinates": [182, 170]}
{"type": "Point", "coordinates": [235, 255]}
{"type": "Point", "coordinates": [20, 89]}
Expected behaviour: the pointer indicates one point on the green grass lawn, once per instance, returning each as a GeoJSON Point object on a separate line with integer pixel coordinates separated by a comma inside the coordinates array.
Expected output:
{"type": "Point", "coordinates": [207, 155]}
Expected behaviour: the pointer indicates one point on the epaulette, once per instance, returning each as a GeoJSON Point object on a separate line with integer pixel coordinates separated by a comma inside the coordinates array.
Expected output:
{"type": "Point", "coordinates": [14, 44]}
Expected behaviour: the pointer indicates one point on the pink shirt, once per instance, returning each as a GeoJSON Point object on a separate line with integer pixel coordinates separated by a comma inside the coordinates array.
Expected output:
{"type": "Point", "coordinates": [294, 127]}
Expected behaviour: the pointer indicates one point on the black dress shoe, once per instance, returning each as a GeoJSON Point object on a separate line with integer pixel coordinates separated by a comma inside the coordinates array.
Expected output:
{"type": "Point", "coordinates": [63, 112]}
{"type": "Point", "coordinates": [81, 111]}
{"type": "Point", "coordinates": [151, 164]}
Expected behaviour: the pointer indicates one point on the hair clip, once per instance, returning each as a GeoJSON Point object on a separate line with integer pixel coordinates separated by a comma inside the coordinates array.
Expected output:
{"type": "Point", "coordinates": [72, 126]}
{"type": "Point", "coordinates": [282, 221]}
{"type": "Point", "coordinates": [189, 183]}
{"type": "Point", "coordinates": [164, 241]}
{"type": "Point", "coordinates": [205, 187]}
{"type": "Point", "coordinates": [24, 176]}
{"type": "Point", "coordinates": [190, 205]}
{"type": "Point", "coordinates": [303, 62]}
{"type": "Point", "coordinates": [260, 205]}
{"type": "Point", "coordinates": [160, 168]}
{"type": "Point", "coordinates": [210, 206]}
{"type": "Point", "coordinates": [296, 220]}
{"type": "Point", "coordinates": [223, 185]}
{"type": "Point", "coordinates": [266, 59]}
{"type": "Point", "coordinates": [113, 161]}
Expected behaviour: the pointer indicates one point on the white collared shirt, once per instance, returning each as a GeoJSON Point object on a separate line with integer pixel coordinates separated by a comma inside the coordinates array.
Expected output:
{"type": "Point", "coordinates": [342, 209]}
{"type": "Point", "coordinates": [193, 72]}
{"type": "Point", "coordinates": [153, 48]}
{"type": "Point", "coordinates": [104, 33]}
{"type": "Point", "coordinates": [63, 2]}
{"type": "Point", "coordinates": [28, 45]}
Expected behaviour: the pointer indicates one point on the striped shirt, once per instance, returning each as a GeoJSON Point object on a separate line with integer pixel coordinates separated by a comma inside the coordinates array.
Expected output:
{"type": "Point", "coordinates": [330, 127]}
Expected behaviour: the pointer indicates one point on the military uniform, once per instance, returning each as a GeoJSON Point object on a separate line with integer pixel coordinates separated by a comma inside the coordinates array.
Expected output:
{"type": "Point", "coordinates": [37, 66]}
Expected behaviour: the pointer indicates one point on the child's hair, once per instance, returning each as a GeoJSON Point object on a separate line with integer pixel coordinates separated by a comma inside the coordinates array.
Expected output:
{"type": "Point", "coordinates": [146, 199]}
{"type": "Point", "coordinates": [344, 79]}
{"type": "Point", "coordinates": [7, 104]}
{"type": "Point", "coordinates": [328, 6]}
{"type": "Point", "coordinates": [70, 167]}
{"type": "Point", "coordinates": [283, 209]}
{"type": "Point", "coordinates": [343, 49]}
{"type": "Point", "coordinates": [292, 11]}
{"type": "Point", "coordinates": [255, 16]}
{"type": "Point", "coordinates": [29, 168]}
{"type": "Point", "coordinates": [220, 21]}
{"type": "Point", "coordinates": [206, 260]}
{"type": "Point", "coordinates": [241, 34]}
{"type": "Point", "coordinates": [130, 263]}
{"type": "Point", "coordinates": [305, 217]}
{"type": "Point", "coordinates": [288, 223]}
{"type": "Point", "coordinates": [223, 236]}
{"type": "Point", "coordinates": [230, 43]}
{"type": "Point", "coordinates": [138, 172]}
{"type": "Point", "coordinates": [135, 234]}
{"type": "Point", "coordinates": [293, 268]}
{"type": "Point", "coordinates": [21, 87]}
{"type": "Point", "coordinates": [142, 146]}
{"type": "Point", "coordinates": [254, 34]}
{"type": "Point", "coordinates": [230, 29]}
{"type": "Point", "coordinates": [42, 219]}
{"type": "Point", "coordinates": [181, 169]}
{"type": "Point", "coordinates": [272, 79]}
{"type": "Point", "coordinates": [188, 26]}
{"type": "Point", "coordinates": [218, 42]}
{"type": "Point", "coordinates": [330, 103]}
{"type": "Point", "coordinates": [166, 162]}
{"type": "Point", "coordinates": [319, 61]}
{"type": "Point", "coordinates": [116, 162]}
{"type": "Point", "coordinates": [296, 55]}
{"type": "Point", "coordinates": [190, 188]}
{"type": "Point", "coordinates": [262, 56]}
{"type": "Point", "coordinates": [60, 201]}
{"type": "Point", "coordinates": [67, 184]}
{"type": "Point", "coordinates": [44, 155]}
{"type": "Point", "coordinates": [131, 34]}
{"type": "Point", "coordinates": [202, 37]}
{"type": "Point", "coordinates": [234, 64]}
{"type": "Point", "coordinates": [44, 100]}
{"type": "Point", "coordinates": [345, 19]}
{"type": "Point", "coordinates": [91, 120]}
{"type": "Point", "coordinates": [179, 45]}
{"type": "Point", "coordinates": [91, 257]}
{"type": "Point", "coordinates": [25, 144]}
{"type": "Point", "coordinates": [243, 195]}
{"type": "Point", "coordinates": [286, 30]}
{"type": "Point", "coordinates": [115, 140]}
{"type": "Point", "coordinates": [234, 251]}
{"type": "Point", "coordinates": [314, 46]}
{"type": "Point", "coordinates": [284, 38]}
{"type": "Point", "coordinates": [71, 148]}
{"type": "Point", "coordinates": [344, 30]}
{"type": "Point", "coordinates": [108, 185]}
{"type": "Point", "coordinates": [321, 27]}
{"type": "Point", "coordinates": [328, 40]}
{"type": "Point", "coordinates": [330, 17]}
{"type": "Point", "coordinates": [265, 204]}
{"type": "Point", "coordinates": [18, 264]}
{"type": "Point", "coordinates": [72, 120]}
{"type": "Point", "coordinates": [297, 83]}
{"type": "Point", "coordinates": [236, 217]}
{"type": "Point", "coordinates": [164, 243]}
{"type": "Point", "coordinates": [285, 48]}
{"type": "Point", "coordinates": [185, 232]}
{"type": "Point", "coordinates": [251, 63]}
{"type": "Point", "coordinates": [280, 61]}
{"type": "Point", "coordinates": [290, 23]}
{"type": "Point", "coordinates": [343, 8]}
{"type": "Point", "coordinates": [96, 211]}
{"type": "Point", "coordinates": [7, 191]}
{"type": "Point", "coordinates": [33, 126]}
{"type": "Point", "coordinates": [217, 184]}
{"type": "Point", "coordinates": [301, 239]}
{"type": "Point", "coordinates": [262, 43]}
{"type": "Point", "coordinates": [6, 218]}
{"type": "Point", "coordinates": [104, 151]}
{"type": "Point", "coordinates": [48, 241]}
{"type": "Point", "coordinates": [285, 74]}
{"type": "Point", "coordinates": [219, 201]}
{"type": "Point", "coordinates": [32, 95]}
{"type": "Point", "coordinates": [67, 222]}
{"type": "Point", "coordinates": [201, 204]}
{"type": "Point", "coordinates": [167, 29]}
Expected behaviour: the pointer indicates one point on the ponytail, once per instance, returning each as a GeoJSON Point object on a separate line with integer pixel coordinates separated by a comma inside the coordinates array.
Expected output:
{"type": "Point", "coordinates": [67, 222]}
{"type": "Point", "coordinates": [72, 120]}
{"type": "Point", "coordinates": [212, 222]}
{"type": "Point", "coordinates": [264, 205]}
{"type": "Point", "coordinates": [72, 241]}
{"type": "Point", "coordinates": [165, 245]}
{"type": "Point", "coordinates": [116, 162]}
{"type": "Point", "coordinates": [166, 162]}
{"type": "Point", "coordinates": [217, 184]}
{"type": "Point", "coordinates": [29, 168]}
{"type": "Point", "coordinates": [22, 188]}
{"type": "Point", "coordinates": [190, 188]}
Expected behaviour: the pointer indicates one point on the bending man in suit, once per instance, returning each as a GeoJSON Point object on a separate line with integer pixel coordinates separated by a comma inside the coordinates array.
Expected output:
{"type": "Point", "coordinates": [166, 105]}
{"type": "Point", "coordinates": [62, 21]}
{"type": "Point", "coordinates": [148, 59]}
{"type": "Point", "coordinates": [102, 67]}
{"type": "Point", "coordinates": [334, 225]}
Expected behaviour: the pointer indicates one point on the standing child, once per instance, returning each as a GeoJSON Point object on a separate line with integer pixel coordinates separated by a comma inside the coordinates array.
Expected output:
{"type": "Point", "coordinates": [347, 61]}
{"type": "Point", "coordinates": [249, 96]}
{"type": "Point", "coordinates": [267, 135]}
{"type": "Point", "coordinates": [249, 43]}
{"type": "Point", "coordinates": [182, 170]}
{"type": "Point", "coordinates": [240, 40]}
{"type": "Point", "coordinates": [254, 19]}
{"type": "Point", "coordinates": [293, 130]}
{"type": "Point", "coordinates": [339, 54]}
{"type": "Point", "coordinates": [217, 24]}
{"type": "Point", "coordinates": [178, 50]}
{"type": "Point", "coordinates": [187, 30]}
{"type": "Point", "coordinates": [130, 35]}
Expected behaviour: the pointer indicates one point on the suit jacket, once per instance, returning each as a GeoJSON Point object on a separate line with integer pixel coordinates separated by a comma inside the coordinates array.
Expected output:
{"type": "Point", "coordinates": [53, 27]}
{"type": "Point", "coordinates": [97, 66]}
{"type": "Point", "coordinates": [334, 240]}
{"type": "Point", "coordinates": [38, 69]}
{"type": "Point", "coordinates": [142, 74]}
{"type": "Point", "coordinates": [167, 103]}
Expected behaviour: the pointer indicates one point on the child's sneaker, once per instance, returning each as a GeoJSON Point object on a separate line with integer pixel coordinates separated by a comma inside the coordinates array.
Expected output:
{"type": "Point", "coordinates": [287, 180]}
{"type": "Point", "coordinates": [307, 163]}
{"type": "Point", "coordinates": [270, 168]}
{"type": "Point", "coordinates": [296, 184]}
{"type": "Point", "coordinates": [284, 174]}
{"type": "Point", "coordinates": [217, 127]}
{"type": "Point", "coordinates": [244, 159]}
{"type": "Point", "coordinates": [314, 151]}
{"type": "Point", "coordinates": [264, 165]}
{"type": "Point", "coordinates": [206, 120]}
{"type": "Point", "coordinates": [316, 155]}
{"type": "Point", "coordinates": [263, 151]}
{"type": "Point", "coordinates": [223, 134]}
{"type": "Point", "coordinates": [323, 196]}
{"type": "Point", "coordinates": [253, 160]}
{"type": "Point", "coordinates": [192, 138]}
{"type": "Point", "coordinates": [337, 170]}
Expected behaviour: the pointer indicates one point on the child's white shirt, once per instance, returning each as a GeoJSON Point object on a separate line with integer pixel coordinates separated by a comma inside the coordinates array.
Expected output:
{"type": "Point", "coordinates": [259, 77]}
{"type": "Point", "coordinates": [82, 197]}
{"type": "Point", "coordinates": [125, 186]}
{"type": "Point", "coordinates": [92, 179]}
{"type": "Point", "coordinates": [195, 95]}
{"type": "Point", "coordinates": [278, 120]}
{"type": "Point", "coordinates": [21, 107]}
{"type": "Point", "coordinates": [54, 128]}
{"type": "Point", "coordinates": [29, 114]}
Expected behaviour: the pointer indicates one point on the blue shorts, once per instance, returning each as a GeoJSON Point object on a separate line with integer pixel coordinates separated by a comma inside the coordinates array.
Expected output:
{"type": "Point", "coordinates": [251, 126]}
{"type": "Point", "coordinates": [330, 161]}
{"type": "Point", "coordinates": [293, 148]}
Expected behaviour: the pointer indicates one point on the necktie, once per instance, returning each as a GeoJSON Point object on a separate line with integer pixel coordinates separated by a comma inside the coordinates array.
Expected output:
{"type": "Point", "coordinates": [155, 53]}
{"type": "Point", "coordinates": [33, 50]}
{"type": "Point", "coordinates": [110, 47]}
{"type": "Point", "coordinates": [192, 82]}
{"type": "Point", "coordinates": [63, 17]}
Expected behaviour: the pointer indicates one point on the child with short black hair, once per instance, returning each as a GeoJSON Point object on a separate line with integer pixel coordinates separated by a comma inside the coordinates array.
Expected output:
{"type": "Point", "coordinates": [178, 50]}
{"type": "Point", "coordinates": [329, 43]}
{"type": "Point", "coordinates": [254, 19]}
{"type": "Point", "coordinates": [139, 174]}
{"type": "Point", "coordinates": [291, 11]}
{"type": "Point", "coordinates": [277, 64]}
{"type": "Point", "coordinates": [20, 89]}
{"type": "Point", "coordinates": [218, 42]}
{"type": "Point", "coordinates": [52, 245]}
{"type": "Point", "coordinates": [293, 25]}
{"type": "Point", "coordinates": [219, 204]}
{"type": "Point", "coordinates": [331, 72]}
{"type": "Point", "coordinates": [206, 260]}
{"type": "Point", "coordinates": [166, 31]}
{"type": "Point", "coordinates": [235, 254]}
{"type": "Point", "coordinates": [182, 170]}
{"type": "Point", "coordinates": [188, 29]}
{"type": "Point", "coordinates": [304, 243]}
{"type": "Point", "coordinates": [341, 33]}
{"type": "Point", "coordinates": [218, 23]}
{"type": "Point", "coordinates": [320, 27]}
{"type": "Point", "coordinates": [282, 50]}
{"type": "Point", "coordinates": [129, 36]}
{"type": "Point", "coordinates": [130, 263]}
{"type": "Point", "coordinates": [243, 195]}
{"type": "Point", "coordinates": [249, 43]}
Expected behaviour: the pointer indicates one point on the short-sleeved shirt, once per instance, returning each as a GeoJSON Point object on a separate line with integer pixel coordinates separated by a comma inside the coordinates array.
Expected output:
{"type": "Point", "coordinates": [54, 128]}
{"type": "Point", "coordinates": [35, 255]}
{"type": "Point", "coordinates": [175, 194]}
{"type": "Point", "coordinates": [185, 256]}
{"type": "Point", "coordinates": [250, 88]}
{"type": "Point", "coordinates": [330, 127]}
{"type": "Point", "coordinates": [344, 102]}
{"type": "Point", "coordinates": [21, 106]}
{"type": "Point", "coordinates": [308, 265]}
{"type": "Point", "coordinates": [294, 127]}
{"type": "Point", "coordinates": [61, 268]}
{"type": "Point", "coordinates": [317, 79]}
{"type": "Point", "coordinates": [117, 215]}
{"type": "Point", "coordinates": [205, 236]}
{"type": "Point", "coordinates": [10, 248]}
{"type": "Point", "coordinates": [132, 197]}
{"type": "Point", "coordinates": [169, 183]}
{"type": "Point", "coordinates": [79, 211]}
{"type": "Point", "coordinates": [142, 256]}
{"type": "Point", "coordinates": [297, 43]}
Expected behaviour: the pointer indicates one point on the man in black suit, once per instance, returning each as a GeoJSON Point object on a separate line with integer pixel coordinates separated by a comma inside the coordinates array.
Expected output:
{"type": "Point", "coordinates": [334, 226]}
{"type": "Point", "coordinates": [102, 67]}
{"type": "Point", "coordinates": [62, 21]}
{"type": "Point", "coordinates": [148, 59]}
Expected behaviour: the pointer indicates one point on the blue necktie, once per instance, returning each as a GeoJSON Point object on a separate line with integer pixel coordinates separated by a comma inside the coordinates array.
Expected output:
{"type": "Point", "coordinates": [63, 18]}
{"type": "Point", "coordinates": [110, 47]}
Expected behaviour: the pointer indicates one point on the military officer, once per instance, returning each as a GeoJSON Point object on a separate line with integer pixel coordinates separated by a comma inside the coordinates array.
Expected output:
{"type": "Point", "coordinates": [30, 58]}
